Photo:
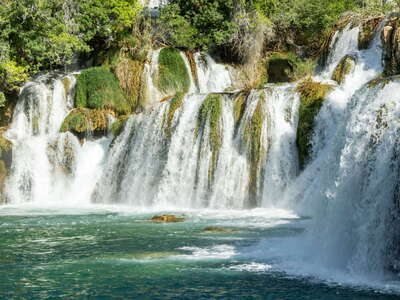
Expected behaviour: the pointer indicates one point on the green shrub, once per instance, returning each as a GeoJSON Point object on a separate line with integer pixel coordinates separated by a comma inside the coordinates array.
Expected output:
{"type": "Point", "coordinates": [2, 99]}
{"type": "Point", "coordinates": [312, 96]}
{"type": "Point", "coordinates": [173, 75]}
{"type": "Point", "coordinates": [344, 68]}
{"type": "Point", "coordinates": [98, 88]}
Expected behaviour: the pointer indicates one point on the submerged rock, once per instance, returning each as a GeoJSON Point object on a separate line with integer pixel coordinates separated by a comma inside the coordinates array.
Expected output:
{"type": "Point", "coordinates": [344, 68]}
{"type": "Point", "coordinates": [167, 219]}
{"type": "Point", "coordinates": [219, 230]}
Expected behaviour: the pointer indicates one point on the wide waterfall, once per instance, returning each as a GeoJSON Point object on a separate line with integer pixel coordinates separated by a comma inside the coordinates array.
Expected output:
{"type": "Point", "coordinates": [223, 148]}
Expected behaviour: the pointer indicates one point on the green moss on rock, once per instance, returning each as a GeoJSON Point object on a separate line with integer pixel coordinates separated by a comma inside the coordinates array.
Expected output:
{"type": "Point", "coordinates": [256, 150]}
{"type": "Point", "coordinates": [83, 120]}
{"type": "Point", "coordinates": [344, 68]}
{"type": "Point", "coordinates": [175, 103]}
{"type": "Point", "coordinates": [239, 107]}
{"type": "Point", "coordinates": [172, 76]}
{"type": "Point", "coordinates": [211, 111]}
{"type": "Point", "coordinates": [118, 126]}
{"type": "Point", "coordinates": [98, 88]}
{"type": "Point", "coordinates": [312, 96]}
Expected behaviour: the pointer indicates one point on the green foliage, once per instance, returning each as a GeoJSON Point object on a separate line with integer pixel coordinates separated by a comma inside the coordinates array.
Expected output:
{"type": "Point", "coordinates": [312, 96]}
{"type": "Point", "coordinates": [2, 100]}
{"type": "Point", "coordinates": [12, 75]}
{"type": "Point", "coordinates": [45, 34]}
{"type": "Point", "coordinates": [173, 75]}
{"type": "Point", "coordinates": [197, 24]}
{"type": "Point", "coordinates": [98, 88]}
{"type": "Point", "coordinates": [175, 103]}
{"type": "Point", "coordinates": [210, 112]}
{"type": "Point", "coordinates": [84, 120]}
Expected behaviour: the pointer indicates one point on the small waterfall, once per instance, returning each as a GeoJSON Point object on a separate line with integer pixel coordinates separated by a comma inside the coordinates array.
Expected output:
{"type": "Point", "coordinates": [48, 166]}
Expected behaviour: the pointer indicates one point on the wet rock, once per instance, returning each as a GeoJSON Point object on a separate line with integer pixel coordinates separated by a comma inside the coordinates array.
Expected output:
{"type": "Point", "coordinates": [391, 47]}
{"type": "Point", "coordinates": [280, 70]}
{"type": "Point", "coordinates": [344, 68]}
{"type": "Point", "coordinates": [167, 219]}
{"type": "Point", "coordinates": [368, 29]}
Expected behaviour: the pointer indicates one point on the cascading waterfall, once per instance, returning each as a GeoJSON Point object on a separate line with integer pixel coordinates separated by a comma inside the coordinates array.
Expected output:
{"type": "Point", "coordinates": [154, 170]}
{"type": "Point", "coordinates": [49, 166]}
{"type": "Point", "coordinates": [224, 149]}
{"type": "Point", "coordinates": [350, 184]}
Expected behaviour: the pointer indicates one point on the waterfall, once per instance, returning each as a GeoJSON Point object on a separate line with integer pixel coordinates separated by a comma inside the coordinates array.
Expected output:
{"type": "Point", "coordinates": [219, 148]}
{"type": "Point", "coordinates": [49, 167]}
{"type": "Point", "coordinates": [146, 168]}
{"type": "Point", "coordinates": [350, 186]}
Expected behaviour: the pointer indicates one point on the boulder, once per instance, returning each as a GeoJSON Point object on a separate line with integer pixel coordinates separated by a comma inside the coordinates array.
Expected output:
{"type": "Point", "coordinates": [167, 219]}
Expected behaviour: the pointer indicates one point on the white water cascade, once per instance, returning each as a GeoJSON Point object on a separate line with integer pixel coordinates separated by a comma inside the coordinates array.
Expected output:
{"type": "Point", "coordinates": [49, 167]}
{"type": "Point", "coordinates": [350, 186]}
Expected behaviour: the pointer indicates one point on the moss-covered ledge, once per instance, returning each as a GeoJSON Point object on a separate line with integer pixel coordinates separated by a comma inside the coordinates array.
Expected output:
{"type": "Point", "coordinates": [312, 95]}
{"type": "Point", "coordinates": [84, 121]}
{"type": "Point", "coordinates": [98, 88]}
{"type": "Point", "coordinates": [173, 76]}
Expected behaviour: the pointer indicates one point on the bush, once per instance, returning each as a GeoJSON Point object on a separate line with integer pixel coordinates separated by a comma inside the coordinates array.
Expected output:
{"type": "Point", "coordinates": [98, 88]}
{"type": "Point", "coordinates": [175, 103]}
{"type": "Point", "coordinates": [172, 76]}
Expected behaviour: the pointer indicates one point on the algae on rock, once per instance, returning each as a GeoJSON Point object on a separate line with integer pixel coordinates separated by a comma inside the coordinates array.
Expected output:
{"type": "Point", "coordinates": [82, 120]}
{"type": "Point", "coordinates": [256, 151]}
{"type": "Point", "coordinates": [312, 96]}
{"type": "Point", "coordinates": [175, 103]}
{"type": "Point", "coordinates": [344, 68]}
{"type": "Point", "coordinates": [210, 113]}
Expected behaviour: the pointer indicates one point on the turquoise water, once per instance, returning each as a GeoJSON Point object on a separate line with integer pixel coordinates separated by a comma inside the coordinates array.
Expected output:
{"type": "Point", "coordinates": [114, 254]}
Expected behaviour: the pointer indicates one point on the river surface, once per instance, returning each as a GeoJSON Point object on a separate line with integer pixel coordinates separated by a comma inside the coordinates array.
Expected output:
{"type": "Point", "coordinates": [111, 252]}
